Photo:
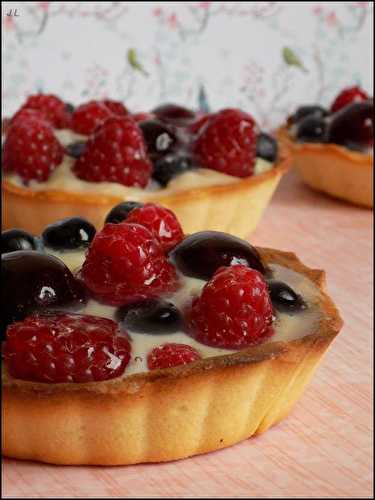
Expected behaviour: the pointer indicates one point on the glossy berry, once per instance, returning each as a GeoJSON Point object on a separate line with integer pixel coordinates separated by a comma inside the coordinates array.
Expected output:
{"type": "Point", "coordinates": [60, 347]}
{"type": "Point", "coordinates": [31, 149]}
{"type": "Point", "coordinates": [161, 221]}
{"type": "Point", "coordinates": [34, 281]}
{"type": "Point", "coordinates": [227, 143]}
{"type": "Point", "coordinates": [159, 138]}
{"type": "Point", "coordinates": [173, 113]}
{"type": "Point", "coordinates": [69, 234]}
{"type": "Point", "coordinates": [52, 108]}
{"type": "Point", "coordinates": [125, 263]}
{"type": "Point", "coordinates": [284, 298]}
{"type": "Point", "coordinates": [76, 149]}
{"type": "Point", "coordinates": [13, 240]}
{"type": "Point", "coordinates": [120, 212]}
{"type": "Point", "coordinates": [233, 311]}
{"type": "Point", "coordinates": [115, 153]}
{"type": "Point", "coordinates": [171, 165]}
{"type": "Point", "coordinates": [87, 117]}
{"type": "Point", "coordinates": [170, 355]}
{"type": "Point", "coordinates": [348, 96]}
{"type": "Point", "coordinates": [199, 123]}
{"type": "Point", "coordinates": [143, 116]}
{"type": "Point", "coordinates": [311, 129]}
{"type": "Point", "coordinates": [201, 254]}
{"type": "Point", "coordinates": [266, 147]}
{"type": "Point", "coordinates": [309, 110]}
{"type": "Point", "coordinates": [116, 107]}
{"type": "Point", "coordinates": [353, 125]}
{"type": "Point", "coordinates": [152, 316]}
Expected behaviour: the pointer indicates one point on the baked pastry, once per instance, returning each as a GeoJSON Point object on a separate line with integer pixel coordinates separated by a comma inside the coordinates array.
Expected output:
{"type": "Point", "coordinates": [149, 346]}
{"type": "Point", "coordinates": [332, 150]}
{"type": "Point", "coordinates": [216, 171]}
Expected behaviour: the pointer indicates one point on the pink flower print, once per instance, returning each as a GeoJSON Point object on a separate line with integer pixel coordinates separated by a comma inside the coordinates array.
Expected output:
{"type": "Point", "coordinates": [317, 10]}
{"type": "Point", "coordinates": [172, 21]}
{"type": "Point", "coordinates": [44, 6]}
{"type": "Point", "coordinates": [157, 12]}
{"type": "Point", "coordinates": [9, 23]}
{"type": "Point", "coordinates": [204, 5]}
{"type": "Point", "coordinates": [331, 19]}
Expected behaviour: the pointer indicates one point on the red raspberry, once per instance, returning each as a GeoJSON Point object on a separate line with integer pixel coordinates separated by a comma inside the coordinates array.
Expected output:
{"type": "Point", "coordinates": [87, 117]}
{"type": "Point", "coordinates": [196, 126]}
{"type": "Point", "coordinates": [142, 117]}
{"type": "Point", "coordinates": [125, 263]}
{"type": "Point", "coordinates": [51, 107]}
{"type": "Point", "coordinates": [161, 221]}
{"type": "Point", "coordinates": [116, 107]}
{"type": "Point", "coordinates": [169, 355]}
{"type": "Point", "coordinates": [115, 153]}
{"type": "Point", "coordinates": [63, 347]}
{"type": "Point", "coordinates": [227, 143]}
{"type": "Point", "coordinates": [31, 149]}
{"type": "Point", "coordinates": [234, 310]}
{"type": "Point", "coordinates": [347, 96]}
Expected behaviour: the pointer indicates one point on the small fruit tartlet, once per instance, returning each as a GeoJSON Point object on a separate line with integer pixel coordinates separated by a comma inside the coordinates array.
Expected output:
{"type": "Point", "coordinates": [137, 343]}
{"type": "Point", "coordinates": [333, 150]}
{"type": "Point", "coordinates": [216, 171]}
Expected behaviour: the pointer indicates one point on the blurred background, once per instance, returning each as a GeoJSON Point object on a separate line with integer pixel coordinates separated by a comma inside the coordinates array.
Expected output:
{"type": "Point", "coordinates": [265, 57]}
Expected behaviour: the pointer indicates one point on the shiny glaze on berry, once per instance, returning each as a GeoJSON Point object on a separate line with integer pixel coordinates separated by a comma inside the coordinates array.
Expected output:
{"type": "Point", "coordinates": [69, 234]}
{"type": "Point", "coordinates": [121, 211]}
{"type": "Point", "coordinates": [75, 149]}
{"type": "Point", "coordinates": [159, 138]}
{"type": "Point", "coordinates": [311, 129]}
{"type": "Point", "coordinates": [266, 147]}
{"type": "Point", "coordinates": [308, 110]}
{"type": "Point", "coordinates": [171, 165]}
{"type": "Point", "coordinates": [173, 113]}
{"type": "Point", "coordinates": [17, 239]}
{"type": "Point", "coordinates": [284, 298]}
{"type": "Point", "coordinates": [353, 125]}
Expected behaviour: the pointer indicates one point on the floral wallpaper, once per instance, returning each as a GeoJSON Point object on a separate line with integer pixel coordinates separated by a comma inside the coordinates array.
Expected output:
{"type": "Point", "coordinates": [265, 57]}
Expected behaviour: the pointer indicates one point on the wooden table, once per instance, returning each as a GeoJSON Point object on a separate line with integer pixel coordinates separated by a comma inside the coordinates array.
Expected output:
{"type": "Point", "coordinates": [324, 448]}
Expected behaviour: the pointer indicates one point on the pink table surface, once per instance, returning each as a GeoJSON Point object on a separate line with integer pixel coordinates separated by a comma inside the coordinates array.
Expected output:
{"type": "Point", "coordinates": [324, 448]}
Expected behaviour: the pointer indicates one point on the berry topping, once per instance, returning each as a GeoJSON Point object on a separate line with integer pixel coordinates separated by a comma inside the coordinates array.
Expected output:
{"type": "Point", "coordinates": [169, 355]}
{"type": "Point", "coordinates": [171, 165]}
{"type": "Point", "coordinates": [87, 117]}
{"type": "Point", "coordinates": [173, 113]}
{"type": "Point", "coordinates": [31, 150]}
{"type": "Point", "coordinates": [152, 316]}
{"type": "Point", "coordinates": [142, 117]}
{"type": "Point", "coordinates": [284, 298]}
{"type": "Point", "coordinates": [201, 254]}
{"type": "Point", "coordinates": [308, 110]}
{"type": "Point", "coordinates": [161, 221]}
{"type": "Point", "coordinates": [125, 263]}
{"type": "Point", "coordinates": [348, 96]}
{"type": "Point", "coordinates": [121, 211]}
{"type": "Point", "coordinates": [17, 239]}
{"type": "Point", "coordinates": [197, 125]}
{"type": "Point", "coordinates": [234, 310]}
{"type": "Point", "coordinates": [159, 138]}
{"type": "Point", "coordinates": [50, 107]}
{"type": "Point", "coordinates": [266, 147]}
{"type": "Point", "coordinates": [57, 348]}
{"type": "Point", "coordinates": [227, 143]}
{"type": "Point", "coordinates": [69, 233]}
{"type": "Point", "coordinates": [115, 153]}
{"type": "Point", "coordinates": [353, 126]}
{"type": "Point", "coordinates": [311, 129]}
{"type": "Point", "coordinates": [34, 281]}
{"type": "Point", "coordinates": [75, 149]}
{"type": "Point", "coordinates": [116, 107]}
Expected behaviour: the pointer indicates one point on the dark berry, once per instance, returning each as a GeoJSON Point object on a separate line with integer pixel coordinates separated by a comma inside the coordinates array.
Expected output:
{"type": "Point", "coordinates": [170, 166]}
{"type": "Point", "coordinates": [75, 149]}
{"type": "Point", "coordinates": [17, 239]}
{"type": "Point", "coordinates": [151, 316]}
{"type": "Point", "coordinates": [266, 147]}
{"type": "Point", "coordinates": [69, 107]}
{"type": "Point", "coordinates": [284, 298]}
{"type": "Point", "coordinates": [310, 110]}
{"type": "Point", "coordinates": [34, 281]}
{"type": "Point", "coordinates": [121, 211]}
{"type": "Point", "coordinates": [353, 125]}
{"type": "Point", "coordinates": [311, 129]}
{"type": "Point", "coordinates": [69, 234]}
{"type": "Point", "coordinates": [202, 253]}
{"type": "Point", "coordinates": [173, 113]}
{"type": "Point", "coordinates": [159, 138]}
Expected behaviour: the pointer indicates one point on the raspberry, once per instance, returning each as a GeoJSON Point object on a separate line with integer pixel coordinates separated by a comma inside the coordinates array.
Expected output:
{"type": "Point", "coordinates": [169, 355]}
{"type": "Point", "coordinates": [347, 96]}
{"type": "Point", "coordinates": [197, 125]}
{"type": "Point", "coordinates": [227, 143]}
{"type": "Point", "coordinates": [116, 107]}
{"type": "Point", "coordinates": [63, 347]}
{"type": "Point", "coordinates": [143, 116]}
{"type": "Point", "coordinates": [52, 108]}
{"type": "Point", "coordinates": [115, 153]}
{"type": "Point", "coordinates": [87, 117]}
{"type": "Point", "coordinates": [234, 310]}
{"type": "Point", "coordinates": [125, 263]}
{"type": "Point", "coordinates": [31, 149]}
{"type": "Point", "coordinates": [161, 221]}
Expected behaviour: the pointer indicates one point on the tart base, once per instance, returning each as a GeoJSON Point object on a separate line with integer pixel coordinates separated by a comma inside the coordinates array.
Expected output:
{"type": "Point", "coordinates": [333, 169]}
{"type": "Point", "coordinates": [235, 208]}
{"type": "Point", "coordinates": [167, 414]}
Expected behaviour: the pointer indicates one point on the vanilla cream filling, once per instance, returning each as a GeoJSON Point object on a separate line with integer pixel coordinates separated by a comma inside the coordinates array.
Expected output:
{"type": "Point", "coordinates": [63, 178]}
{"type": "Point", "coordinates": [286, 326]}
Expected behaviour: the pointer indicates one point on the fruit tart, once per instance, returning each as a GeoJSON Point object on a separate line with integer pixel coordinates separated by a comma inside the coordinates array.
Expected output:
{"type": "Point", "coordinates": [216, 171]}
{"type": "Point", "coordinates": [137, 343]}
{"type": "Point", "coordinates": [333, 149]}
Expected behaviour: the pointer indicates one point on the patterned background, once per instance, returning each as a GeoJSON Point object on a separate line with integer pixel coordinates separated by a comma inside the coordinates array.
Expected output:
{"type": "Point", "coordinates": [265, 57]}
